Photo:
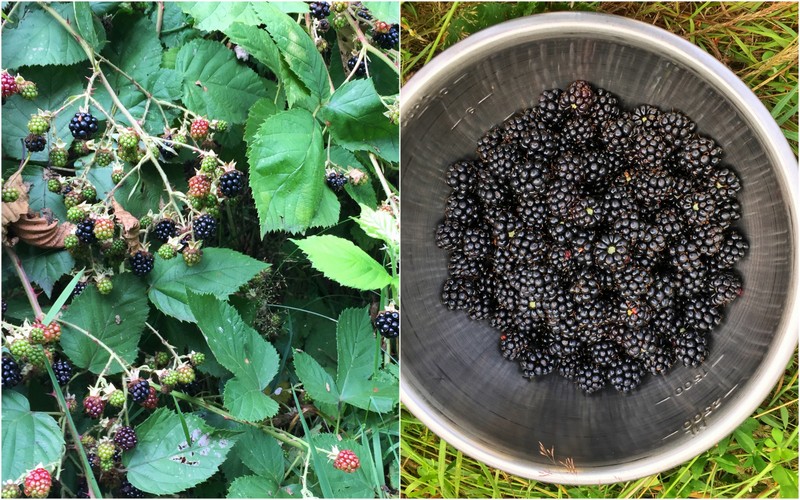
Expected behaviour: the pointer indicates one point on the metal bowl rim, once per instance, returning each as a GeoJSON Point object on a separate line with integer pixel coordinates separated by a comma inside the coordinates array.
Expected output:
{"type": "Point", "coordinates": [717, 75]}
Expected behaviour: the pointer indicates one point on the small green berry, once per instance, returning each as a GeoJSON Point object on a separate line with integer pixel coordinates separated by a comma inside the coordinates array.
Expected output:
{"type": "Point", "coordinates": [58, 157]}
{"type": "Point", "coordinates": [117, 398]}
{"type": "Point", "coordinates": [198, 358]}
{"type": "Point", "coordinates": [170, 378]}
{"type": "Point", "coordinates": [167, 252]}
{"type": "Point", "coordinates": [28, 90]}
{"type": "Point", "coordinates": [145, 222]}
{"type": "Point", "coordinates": [54, 185]}
{"type": "Point", "coordinates": [76, 214]}
{"type": "Point", "coordinates": [10, 194]}
{"type": "Point", "coordinates": [208, 164]}
{"type": "Point", "coordinates": [117, 175]}
{"type": "Point", "coordinates": [128, 140]}
{"type": "Point", "coordinates": [38, 125]}
{"type": "Point", "coordinates": [162, 358]}
{"type": "Point", "coordinates": [103, 157]}
{"type": "Point", "coordinates": [105, 449]}
{"type": "Point", "coordinates": [185, 374]}
{"type": "Point", "coordinates": [104, 285]}
{"type": "Point", "coordinates": [71, 241]}
{"type": "Point", "coordinates": [89, 193]}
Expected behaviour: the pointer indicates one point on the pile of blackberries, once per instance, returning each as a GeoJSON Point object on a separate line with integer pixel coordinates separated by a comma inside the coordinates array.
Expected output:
{"type": "Point", "coordinates": [598, 240]}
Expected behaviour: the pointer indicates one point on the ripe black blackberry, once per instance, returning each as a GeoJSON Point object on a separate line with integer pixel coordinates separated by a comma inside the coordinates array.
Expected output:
{"type": "Point", "coordinates": [388, 40]}
{"type": "Point", "coordinates": [733, 249]}
{"type": "Point", "coordinates": [579, 98]}
{"type": "Point", "coordinates": [606, 106]}
{"type": "Point", "coordinates": [361, 70]}
{"type": "Point", "coordinates": [462, 208]}
{"type": "Point", "coordinates": [537, 139]}
{"type": "Point", "coordinates": [548, 109]}
{"type": "Point", "coordinates": [639, 343]}
{"type": "Point", "coordinates": [336, 180]}
{"type": "Point", "coordinates": [165, 229]}
{"type": "Point", "coordinates": [83, 126]}
{"type": "Point", "coordinates": [84, 230]}
{"type": "Point", "coordinates": [79, 288]}
{"type": "Point", "coordinates": [699, 156]}
{"type": "Point", "coordinates": [659, 361]}
{"type": "Point", "coordinates": [320, 9]}
{"type": "Point", "coordinates": [604, 353]}
{"type": "Point", "coordinates": [461, 175]}
{"type": "Point", "coordinates": [125, 438]}
{"type": "Point", "coordinates": [449, 235]}
{"type": "Point", "coordinates": [701, 315]}
{"type": "Point", "coordinates": [457, 293]}
{"type": "Point", "coordinates": [513, 345]}
{"type": "Point", "coordinates": [590, 378]}
{"type": "Point", "coordinates": [691, 348]}
{"type": "Point", "coordinates": [625, 375]}
{"type": "Point", "coordinates": [127, 490]}
{"type": "Point", "coordinates": [537, 362]}
{"type": "Point", "coordinates": [141, 262]}
{"type": "Point", "coordinates": [610, 252]}
{"type": "Point", "coordinates": [231, 183]}
{"type": "Point", "coordinates": [63, 371]}
{"type": "Point", "coordinates": [676, 127]}
{"type": "Point", "coordinates": [724, 288]}
{"type": "Point", "coordinates": [35, 143]}
{"type": "Point", "coordinates": [139, 389]}
{"type": "Point", "coordinates": [579, 131]}
{"type": "Point", "coordinates": [388, 323]}
{"type": "Point", "coordinates": [11, 372]}
{"type": "Point", "coordinates": [205, 228]}
{"type": "Point", "coordinates": [476, 243]}
{"type": "Point", "coordinates": [462, 265]}
{"type": "Point", "coordinates": [617, 134]}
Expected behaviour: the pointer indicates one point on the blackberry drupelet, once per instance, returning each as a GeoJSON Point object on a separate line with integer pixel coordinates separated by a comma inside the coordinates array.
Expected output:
{"type": "Point", "coordinates": [598, 240]}
{"type": "Point", "coordinates": [83, 126]}
{"type": "Point", "coordinates": [388, 323]}
{"type": "Point", "coordinates": [204, 227]}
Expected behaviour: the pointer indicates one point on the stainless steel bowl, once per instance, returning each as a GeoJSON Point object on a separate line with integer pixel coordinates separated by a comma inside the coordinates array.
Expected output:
{"type": "Point", "coordinates": [453, 379]}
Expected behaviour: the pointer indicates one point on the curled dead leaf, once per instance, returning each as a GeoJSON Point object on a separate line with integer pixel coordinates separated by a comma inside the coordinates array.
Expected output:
{"type": "Point", "coordinates": [39, 231]}
{"type": "Point", "coordinates": [14, 210]}
{"type": "Point", "coordinates": [130, 226]}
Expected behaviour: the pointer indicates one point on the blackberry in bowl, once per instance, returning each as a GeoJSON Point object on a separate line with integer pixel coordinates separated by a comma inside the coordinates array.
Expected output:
{"type": "Point", "coordinates": [663, 385]}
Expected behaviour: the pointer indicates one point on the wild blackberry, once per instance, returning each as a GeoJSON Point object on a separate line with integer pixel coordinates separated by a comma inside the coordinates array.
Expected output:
{"type": "Point", "coordinates": [691, 348]}
{"type": "Point", "coordinates": [548, 109]}
{"type": "Point", "coordinates": [635, 314]}
{"type": "Point", "coordinates": [35, 143]}
{"type": "Point", "coordinates": [457, 292]}
{"type": "Point", "coordinates": [141, 262]}
{"type": "Point", "coordinates": [632, 282]}
{"type": "Point", "coordinates": [139, 390]}
{"type": "Point", "coordinates": [125, 438]}
{"type": "Point", "coordinates": [462, 265]}
{"type": "Point", "coordinates": [579, 98]}
{"type": "Point", "coordinates": [733, 249]}
{"type": "Point", "coordinates": [528, 179]}
{"type": "Point", "coordinates": [604, 353]}
{"type": "Point", "coordinates": [537, 362]}
{"type": "Point", "coordinates": [63, 370]}
{"type": "Point", "coordinates": [361, 69]}
{"type": "Point", "coordinates": [611, 252]}
{"type": "Point", "coordinates": [701, 315]}
{"type": "Point", "coordinates": [11, 372]}
{"type": "Point", "coordinates": [336, 180]}
{"type": "Point", "coordinates": [684, 255]}
{"type": "Point", "coordinates": [204, 227]}
{"type": "Point", "coordinates": [659, 361]}
{"type": "Point", "coordinates": [606, 106]}
{"type": "Point", "coordinates": [724, 288]}
{"type": "Point", "coordinates": [625, 375]}
{"type": "Point", "coordinates": [617, 134]}
{"type": "Point", "coordinates": [699, 156]}
{"type": "Point", "coordinates": [231, 183]}
{"type": "Point", "coordinates": [513, 345]}
{"type": "Point", "coordinates": [93, 406]}
{"type": "Point", "coordinates": [449, 235]}
{"type": "Point", "coordinates": [639, 343]}
{"type": "Point", "coordinates": [723, 184]}
{"type": "Point", "coordinates": [645, 116]}
{"type": "Point", "coordinates": [461, 175]}
{"type": "Point", "coordinates": [319, 9]}
{"type": "Point", "coordinates": [388, 39]}
{"type": "Point", "coordinates": [488, 142]}
{"type": "Point", "coordinates": [462, 208]}
{"type": "Point", "coordinates": [476, 243]}
{"type": "Point", "coordinates": [83, 126]}
{"type": "Point", "coordinates": [677, 127]}
{"type": "Point", "coordinates": [127, 490]}
{"type": "Point", "coordinates": [84, 230]}
{"type": "Point", "coordinates": [538, 139]}
{"type": "Point", "coordinates": [569, 167]}
{"type": "Point", "coordinates": [590, 378]}
{"type": "Point", "coordinates": [388, 323]}
{"type": "Point", "coordinates": [165, 229]}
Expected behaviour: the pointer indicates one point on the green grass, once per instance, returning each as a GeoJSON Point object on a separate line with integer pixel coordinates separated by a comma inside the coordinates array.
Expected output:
{"type": "Point", "coordinates": [758, 41]}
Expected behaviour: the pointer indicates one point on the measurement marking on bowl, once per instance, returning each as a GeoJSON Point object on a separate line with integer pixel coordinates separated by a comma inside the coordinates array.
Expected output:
{"type": "Point", "coordinates": [699, 422]}
{"type": "Point", "coordinates": [717, 361]}
{"type": "Point", "coordinates": [665, 399]}
{"type": "Point", "coordinates": [669, 435]}
{"type": "Point", "coordinates": [690, 383]}
{"type": "Point", "coordinates": [488, 96]}
{"type": "Point", "coordinates": [732, 389]}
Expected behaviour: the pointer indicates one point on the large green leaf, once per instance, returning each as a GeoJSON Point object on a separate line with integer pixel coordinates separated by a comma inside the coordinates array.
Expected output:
{"type": "Point", "coordinates": [286, 165]}
{"type": "Point", "coordinates": [221, 272]}
{"type": "Point", "coordinates": [257, 43]}
{"type": "Point", "coordinates": [116, 319]}
{"type": "Point", "coordinates": [45, 266]}
{"type": "Point", "coordinates": [215, 83]}
{"type": "Point", "coordinates": [240, 349]}
{"type": "Point", "coordinates": [357, 382]}
{"type": "Point", "coordinates": [257, 115]}
{"type": "Point", "coordinates": [316, 381]}
{"type": "Point", "coordinates": [355, 113]}
{"type": "Point", "coordinates": [164, 463]}
{"type": "Point", "coordinates": [252, 487]}
{"type": "Point", "coordinates": [298, 50]}
{"type": "Point", "coordinates": [262, 455]}
{"type": "Point", "coordinates": [29, 438]}
{"type": "Point", "coordinates": [388, 12]}
{"type": "Point", "coordinates": [211, 16]}
{"type": "Point", "coordinates": [175, 27]}
{"type": "Point", "coordinates": [39, 40]}
{"type": "Point", "coordinates": [342, 261]}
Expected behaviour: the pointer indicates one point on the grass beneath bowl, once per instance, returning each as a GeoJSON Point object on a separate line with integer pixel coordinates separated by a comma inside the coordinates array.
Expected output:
{"type": "Point", "coordinates": [758, 41]}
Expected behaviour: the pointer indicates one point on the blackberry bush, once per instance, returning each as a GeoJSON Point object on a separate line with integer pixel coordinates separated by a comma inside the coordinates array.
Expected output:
{"type": "Point", "coordinates": [611, 238]}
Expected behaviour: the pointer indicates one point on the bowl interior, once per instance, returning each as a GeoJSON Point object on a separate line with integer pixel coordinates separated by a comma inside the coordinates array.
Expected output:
{"type": "Point", "coordinates": [451, 365]}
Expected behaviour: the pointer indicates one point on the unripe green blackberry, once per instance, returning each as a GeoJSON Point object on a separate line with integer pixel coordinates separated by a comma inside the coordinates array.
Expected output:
{"type": "Point", "coordinates": [128, 140]}
{"type": "Point", "coordinates": [213, 211]}
{"type": "Point", "coordinates": [117, 398]}
{"type": "Point", "coordinates": [197, 358]}
{"type": "Point", "coordinates": [339, 21]}
{"type": "Point", "coordinates": [10, 194]}
{"type": "Point", "coordinates": [11, 490]}
{"type": "Point", "coordinates": [161, 358]}
{"type": "Point", "coordinates": [73, 198]}
{"type": "Point", "coordinates": [21, 349]}
{"type": "Point", "coordinates": [38, 125]}
{"type": "Point", "coordinates": [58, 158]}
{"type": "Point", "coordinates": [88, 441]}
{"type": "Point", "coordinates": [104, 285]}
{"type": "Point", "coordinates": [37, 334]}
{"type": "Point", "coordinates": [185, 374]}
{"type": "Point", "coordinates": [196, 202]}
{"type": "Point", "coordinates": [105, 449]}
{"type": "Point", "coordinates": [103, 229]}
{"type": "Point", "coordinates": [208, 164]}
{"type": "Point", "coordinates": [145, 221]}
{"type": "Point", "coordinates": [117, 175]}
{"type": "Point", "coordinates": [170, 378]}
{"type": "Point", "coordinates": [103, 157]}
{"type": "Point", "coordinates": [192, 256]}
{"type": "Point", "coordinates": [71, 241]}
{"type": "Point", "coordinates": [106, 465]}
{"type": "Point", "coordinates": [220, 125]}
{"type": "Point", "coordinates": [89, 193]}
{"type": "Point", "coordinates": [167, 252]}
{"type": "Point", "coordinates": [37, 357]}
{"type": "Point", "coordinates": [28, 90]}
{"type": "Point", "coordinates": [76, 214]}
{"type": "Point", "coordinates": [54, 185]}
{"type": "Point", "coordinates": [118, 247]}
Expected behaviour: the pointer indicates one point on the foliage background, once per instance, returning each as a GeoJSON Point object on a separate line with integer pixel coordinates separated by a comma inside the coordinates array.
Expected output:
{"type": "Point", "coordinates": [758, 41]}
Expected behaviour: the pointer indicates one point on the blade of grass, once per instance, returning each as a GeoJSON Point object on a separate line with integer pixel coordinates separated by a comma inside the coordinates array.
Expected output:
{"type": "Point", "coordinates": [322, 473]}
{"type": "Point", "coordinates": [62, 299]}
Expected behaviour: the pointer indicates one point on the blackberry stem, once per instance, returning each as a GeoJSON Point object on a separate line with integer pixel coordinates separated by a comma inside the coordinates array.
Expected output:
{"type": "Point", "coordinates": [26, 284]}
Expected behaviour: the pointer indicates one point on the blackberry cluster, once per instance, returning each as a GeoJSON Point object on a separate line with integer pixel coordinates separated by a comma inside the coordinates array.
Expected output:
{"type": "Point", "coordinates": [600, 241]}
{"type": "Point", "coordinates": [11, 372]}
{"type": "Point", "coordinates": [231, 183]}
{"type": "Point", "coordinates": [35, 143]}
{"type": "Point", "coordinates": [319, 10]}
{"type": "Point", "coordinates": [125, 437]}
{"type": "Point", "coordinates": [83, 126]}
{"type": "Point", "coordinates": [388, 323]}
{"type": "Point", "coordinates": [388, 40]}
{"type": "Point", "coordinates": [84, 230]}
{"type": "Point", "coordinates": [205, 227]}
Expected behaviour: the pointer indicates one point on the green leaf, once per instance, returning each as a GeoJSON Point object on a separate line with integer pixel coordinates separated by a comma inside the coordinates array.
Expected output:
{"type": "Point", "coordinates": [355, 113]}
{"type": "Point", "coordinates": [258, 44]}
{"type": "Point", "coordinates": [316, 381]}
{"type": "Point", "coordinates": [261, 110]}
{"type": "Point", "coordinates": [286, 164]}
{"type": "Point", "coordinates": [363, 194]}
{"type": "Point", "coordinates": [45, 266]}
{"type": "Point", "coordinates": [164, 463]}
{"type": "Point", "coordinates": [745, 441]}
{"type": "Point", "coordinates": [342, 261]}
{"type": "Point", "coordinates": [221, 272]}
{"type": "Point", "coordinates": [116, 319]}
{"type": "Point", "coordinates": [291, 7]}
{"type": "Point", "coordinates": [241, 350]}
{"type": "Point", "coordinates": [175, 28]}
{"type": "Point", "coordinates": [380, 225]}
{"type": "Point", "coordinates": [252, 487]}
{"type": "Point", "coordinates": [210, 16]}
{"type": "Point", "coordinates": [388, 12]}
{"type": "Point", "coordinates": [328, 211]}
{"type": "Point", "coordinates": [355, 342]}
{"type": "Point", "coordinates": [298, 50]}
{"type": "Point", "coordinates": [29, 437]}
{"type": "Point", "coordinates": [85, 25]}
{"type": "Point", "coordinates": [263, 455]}
{"type": "Point", "coordinates": [215, 84]}
{"type": "Point", "coordinates": [38, 40]}
{"type": "Point", "coordinates": [786, 480]}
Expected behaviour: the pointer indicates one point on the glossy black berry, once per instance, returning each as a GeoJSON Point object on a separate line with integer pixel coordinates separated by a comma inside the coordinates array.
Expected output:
{"type": "Point", "coordinates": [204, 227]}
{"type": "Point", "coordinates": [388, 323]}
{"type": "Point", "coordinates": [389, 39]}
{"type": "Point", "coordinates": [336, 181]}
{"type": "Point", "coordinates": [165, 229]}
{"type": "Point", "coordinates": [139, 390]}
{"type": "Point", "coordinates": [83, 126]}
{"type": "Point", "coordinates": [360, 70]}
{"type": "Point", "coordinates": [11, 372]}
{"type": "Point", "coordinates": [63, 371]}
{"type": "Point", "coordinates": [231, 183]}
{"type": "Point", "coordinates": [141, 262]}
{"type": "Point", "coordinates": [127, 490]}
{"type": "Point", "coordinates": [125, 438]}
{"type": "Point", "coordinates": [84, 230]}
{"type": "Point", "coordinates": [35, 143]}
{"type": "Point", "coordinates": [319, 10]}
